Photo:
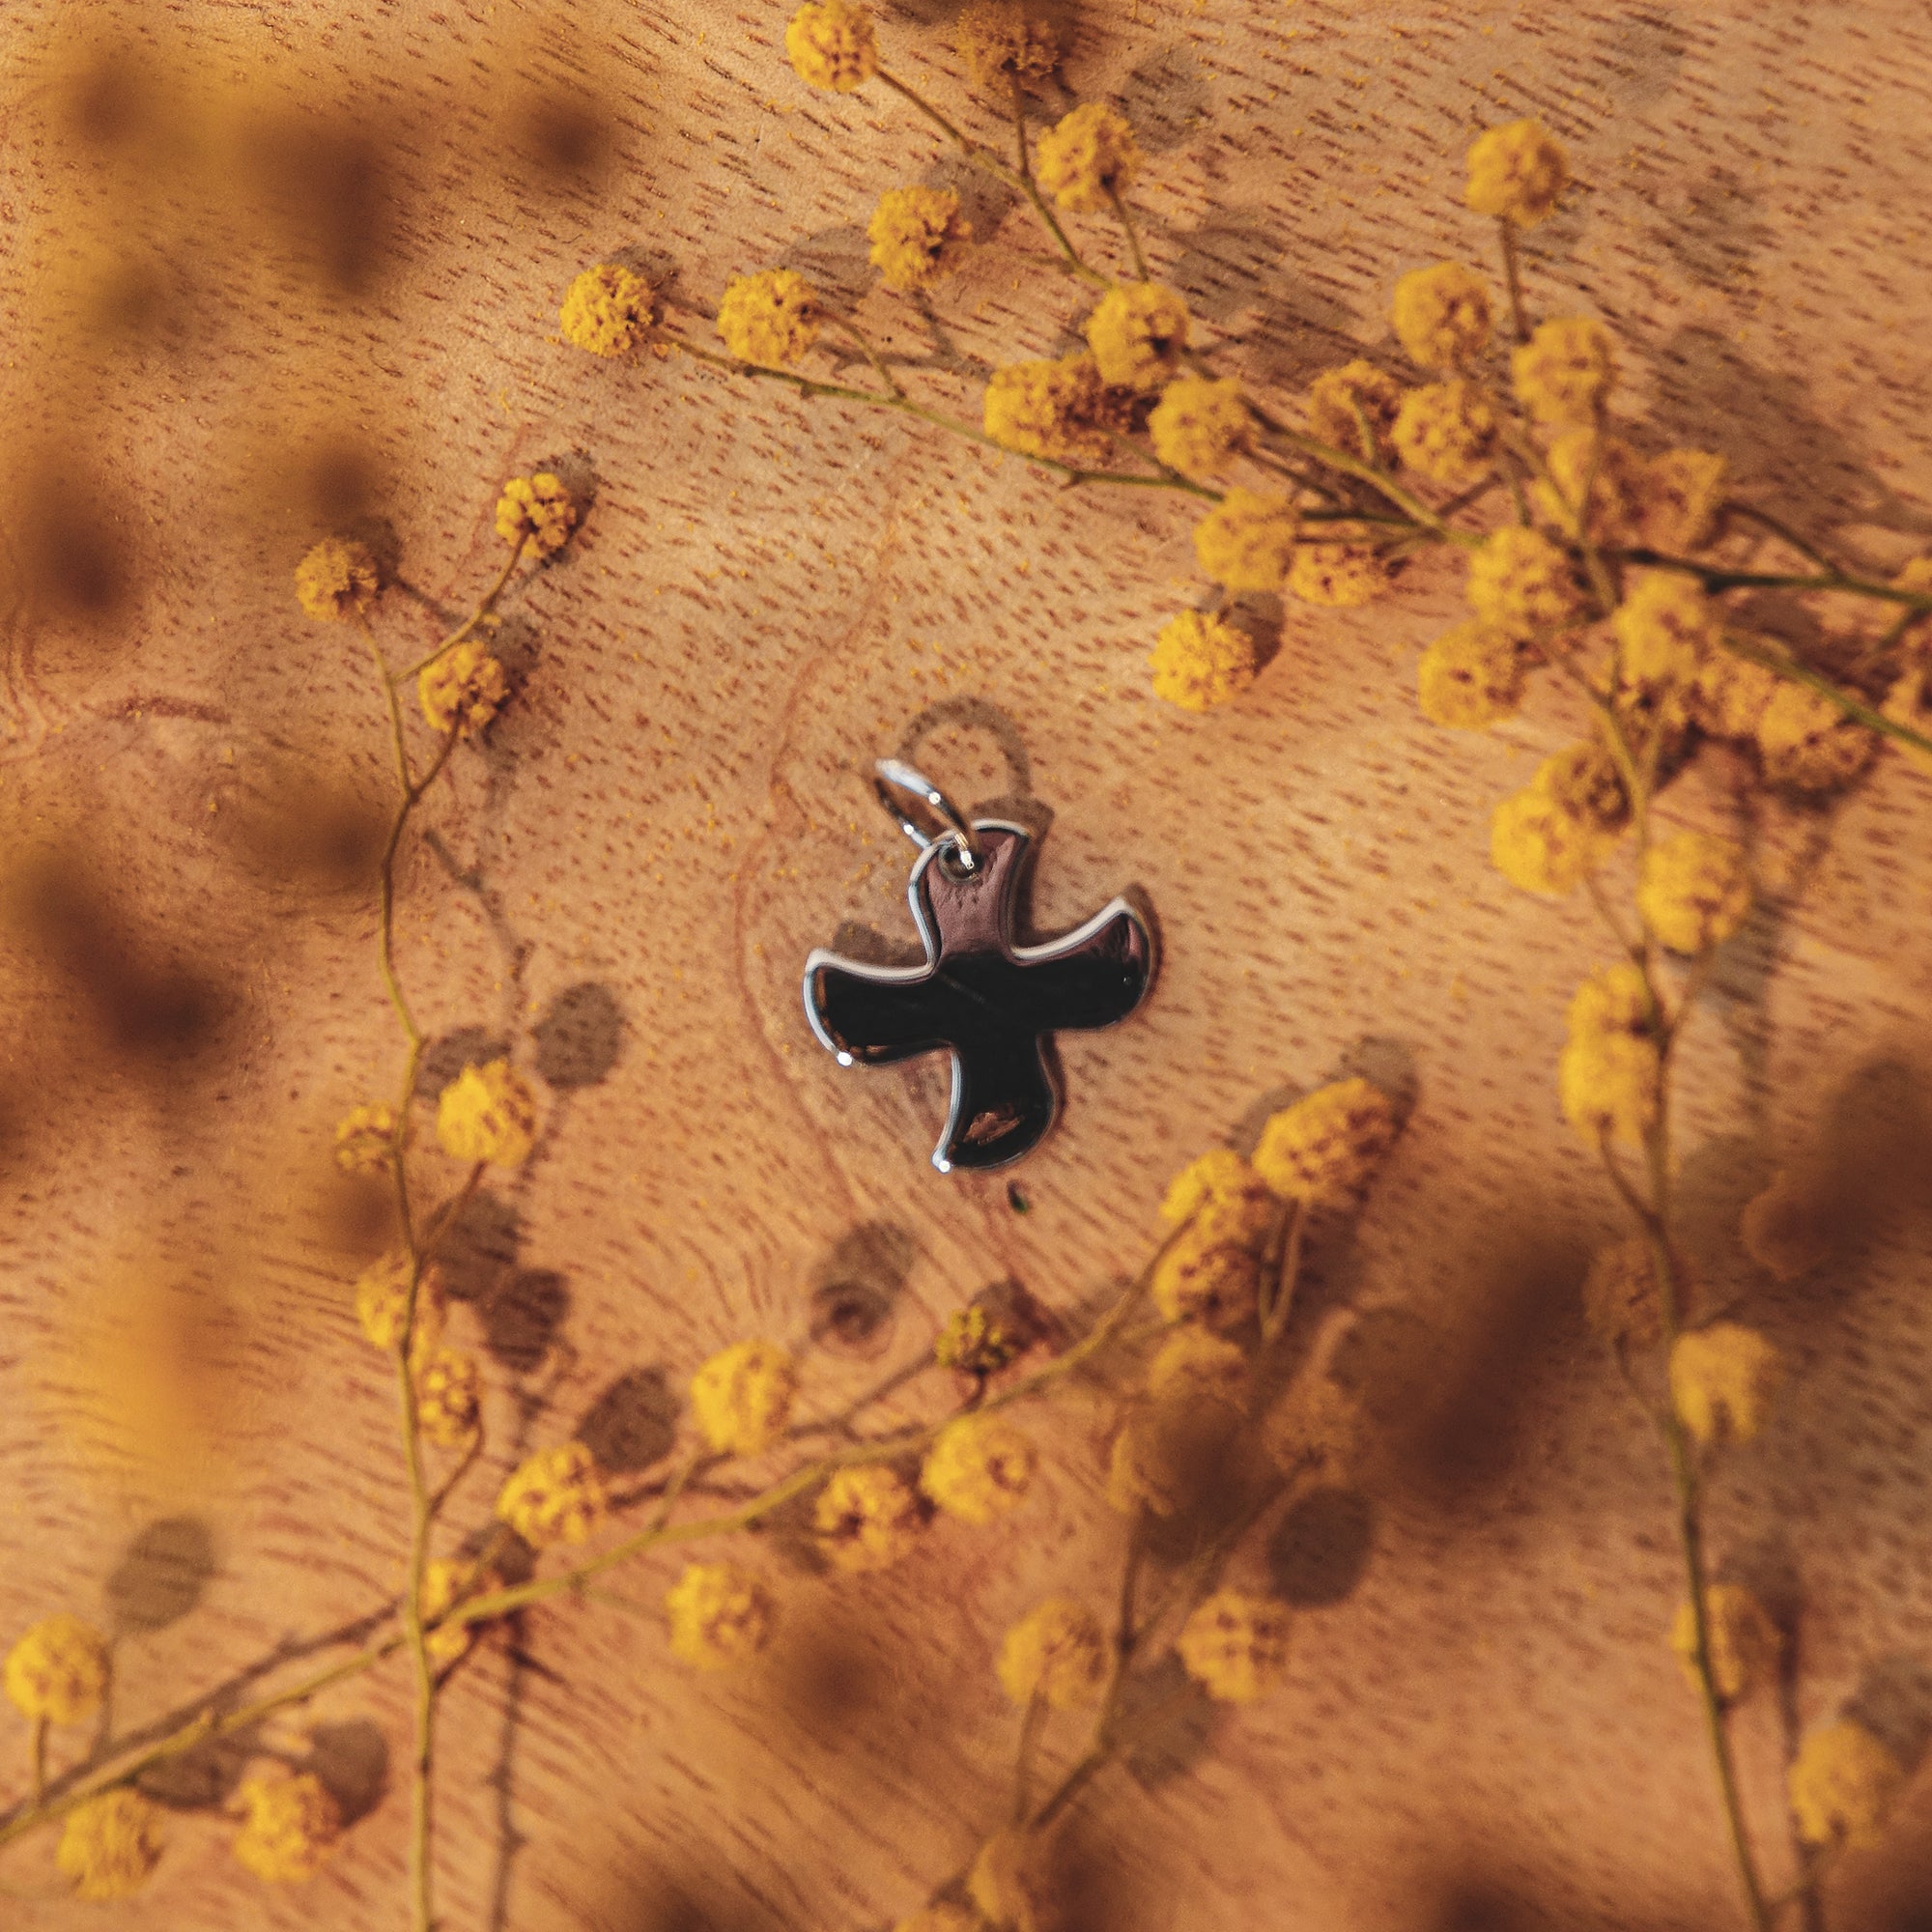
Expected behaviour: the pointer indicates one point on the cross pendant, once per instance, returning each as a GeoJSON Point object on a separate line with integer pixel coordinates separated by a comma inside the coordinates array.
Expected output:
{"type": "Point", "coordinates": [994, 1005]}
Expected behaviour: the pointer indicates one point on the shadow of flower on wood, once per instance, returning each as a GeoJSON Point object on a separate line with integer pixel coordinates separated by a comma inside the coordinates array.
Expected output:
{"type": "Point", "coordinates": [633, 1422]}
{"type": "Point", "coordinates": [857, 1286]}
{"type": "Point", "coordinates": [161, 1575]}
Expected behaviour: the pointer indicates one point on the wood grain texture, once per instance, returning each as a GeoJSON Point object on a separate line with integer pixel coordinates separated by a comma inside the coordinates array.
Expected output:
{"type": "Point", "coordinates": [1482, 1726]}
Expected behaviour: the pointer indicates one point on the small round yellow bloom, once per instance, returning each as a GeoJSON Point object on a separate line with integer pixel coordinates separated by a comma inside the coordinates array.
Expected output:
{"type": "Point", "coordinates": [742, 1397]}
{"type": "Point", "coordinates": [1471, 677]}
{"type": "Point", "coordinates": [1584, 780]}
{"type": "Point", "coordinates": [1342, 401]}
{"type": "Point", "coordinates": [487, 1113]}
{"type": "Point", "coordinates": [1696, 890]}
{"type": "Point", "coordinates": [1744, 1643]}
{"type": "Point", "coordinates": [1342, 576]}
{"type": "Point", "coordinates": [536, 513]}
{"type": "Point", "coordinates": [1666, 626]}
{"type": "Point", "coordinates": [1566, 369]}
{"type": "Point", "coordinates": [916, 236]}
{"type": "Point", "coordinates": [606, 310]}
{"type": "Point", "coordinates": [1441, 316]}
{"type": "Point", "coordinates": [1721, 1381]}
{"type": "Point", "coordinates": [1842, 1784]}
{"type": "Point", "coordinates": [448, 1580]}
{"type": "Point", "coordinates": [1087, 157]}
{"type": "Point", "coordinates": [1220, 1175]}
{"type": "Point", "coordinates": [866, 1517]}
{"type": "Point", "coordinates": [1200, 661]}
{"type": "Point", "coordinates": [1246, 542]}
{"type": "Point", "coordinates": [365, 1139]}
{"type": "Point", "coordinates": [1541, 846]}
{"type": "Point", "coordinates": [1006, 1885]}
{"type": "Point", "coordinates": [1235, 1645]}
{"type": "Point", "coordinates": [1137, 334]}
{"type": "Point", "coordinates": [829, 43]}
{"type": "Point", "coordinates": [383, 1296]}
{"type": "Point", "coordinates": [462, 688]}
{"type": "Point", "coordinates": [1055, 1652]}
{"type": "Point", "coordinates": [975, 1341]}
{"type": "Point", "coordinates": [1683, 491]}
{"type": "Point", "coordinates": [771, 318]}
{"type": "Point", "coordinates": [337, 579]}
{"type": "Point", "coordinates": [1210, 1270]}
{"type": "Point", "coordinates": [1522, 584]}
{"type": "Point", "coordinates": [1196, 1362]}
{"type": "Point", "coordinates": [1325, 1150]}
{"type": "Point", "coordinates": [58, 1670]}
{"type": "Point", "coordinates": [1447, 432]}
{"type": "Point", "coordinates": [110, 1845]}
{"type": "Point", "coordinates": [721, 1616]}
{"type": "Point", "coordinates": [1606, 470]}
{"type": "Point", "coordinates": [1199, 425]}
{"type": "Point", "coordinates": [1006, 37]}
{"type": "Point", "coordinates": [1804, 742]}
{"type": "Point", "coordinates": [978, 1469]}
{"type": "Point", "coordinates": [1622, 1306]}
{"type": "Point", "coordinates": [1203, 1280]}
{"type": "Point", "coordinates": [1732, 694]}
{"type": "Point", "coordinates": [449, 1399]}
{"type": "Point", "coordinates": [1610, 1073]}
{"type": "Point", "coordinates": [556, 1495]}
{"type": "Point", "coordinates": [292, 1826]}
{"type": "Point", "coordinates": [1049, 408]}
{"type": "Point", "coordinates": [1515, 172]}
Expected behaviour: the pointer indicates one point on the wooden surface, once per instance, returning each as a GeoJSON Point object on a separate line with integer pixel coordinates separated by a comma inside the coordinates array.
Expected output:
{"type": "Point", "coordinates": [336, 243]}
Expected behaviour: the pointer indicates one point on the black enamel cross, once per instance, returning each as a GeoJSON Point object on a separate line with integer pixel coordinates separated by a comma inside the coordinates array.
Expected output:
{"type": "Point", "coordinates": [994, 1005]}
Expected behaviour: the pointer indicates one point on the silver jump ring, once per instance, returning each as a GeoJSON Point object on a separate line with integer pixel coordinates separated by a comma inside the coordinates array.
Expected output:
{"type": "Point", "coordinates": [897, 777]}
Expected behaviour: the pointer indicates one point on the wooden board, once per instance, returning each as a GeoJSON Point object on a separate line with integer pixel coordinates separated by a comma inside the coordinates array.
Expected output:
{"type": "Point", "coordinates": [335, 237]}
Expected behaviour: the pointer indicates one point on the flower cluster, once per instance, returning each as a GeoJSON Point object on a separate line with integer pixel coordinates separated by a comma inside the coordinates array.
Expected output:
{"type": "Point", "coordinates": [1200, 661]}
{"type": "Point", "coordinates": [606, 310]}
{"type": "Point", "coordinates": [289, 1828]}
{"type": "Point", "coordinates": [558, 1495]}
{"type": "Point", "coordinates": [1056, 1654]}
{"type": "Point", "coordinates": [488, 1113]}
{"type": "Point", "coordinates": [917, 235]}
{"type": "Point", "coordinates": [1610, 1075]}
{"type": "Point", "coordinates": [742, 1397]}
{"type": "Point", "coordinates": [337, 580]}
{"type": "Point", "coordinates": [536, 514]}
{"type": "Point", "coordinates": [1721, 1381]}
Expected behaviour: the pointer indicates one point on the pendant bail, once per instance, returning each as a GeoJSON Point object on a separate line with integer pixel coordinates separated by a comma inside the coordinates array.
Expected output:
{"type": "Point", "coordinates": [894, 776]}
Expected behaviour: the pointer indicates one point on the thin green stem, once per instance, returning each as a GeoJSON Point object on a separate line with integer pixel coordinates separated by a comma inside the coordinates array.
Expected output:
{"type": "Point", "coordinates": [1719, 576]}
{"type": "Point", "coordinates": [985, 158]}
{"type": "Point", "coordinates": [1126, 221]}
{"type": "Point", "coordinates": [476, 617]}
{"type": "Point", "coordinates": [199, 1730]}
{"type": "Point", "coordinates": [807, 386]}
{"type": "Point", "coordinates": [1653, 1217]}
{"type": "Point", "coordinates": [1765, 520]}
{"type": "Point", "coordinates": [1853, 707]}
{"type": "Point", "coordinates": [1029, 1728]}
{"type": "Point", "coordinates": [466, 1462]}
{"type": "Point", "coordinates": [1512, 272]}
{"type": "Point", "coordinates": [872, 355]}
